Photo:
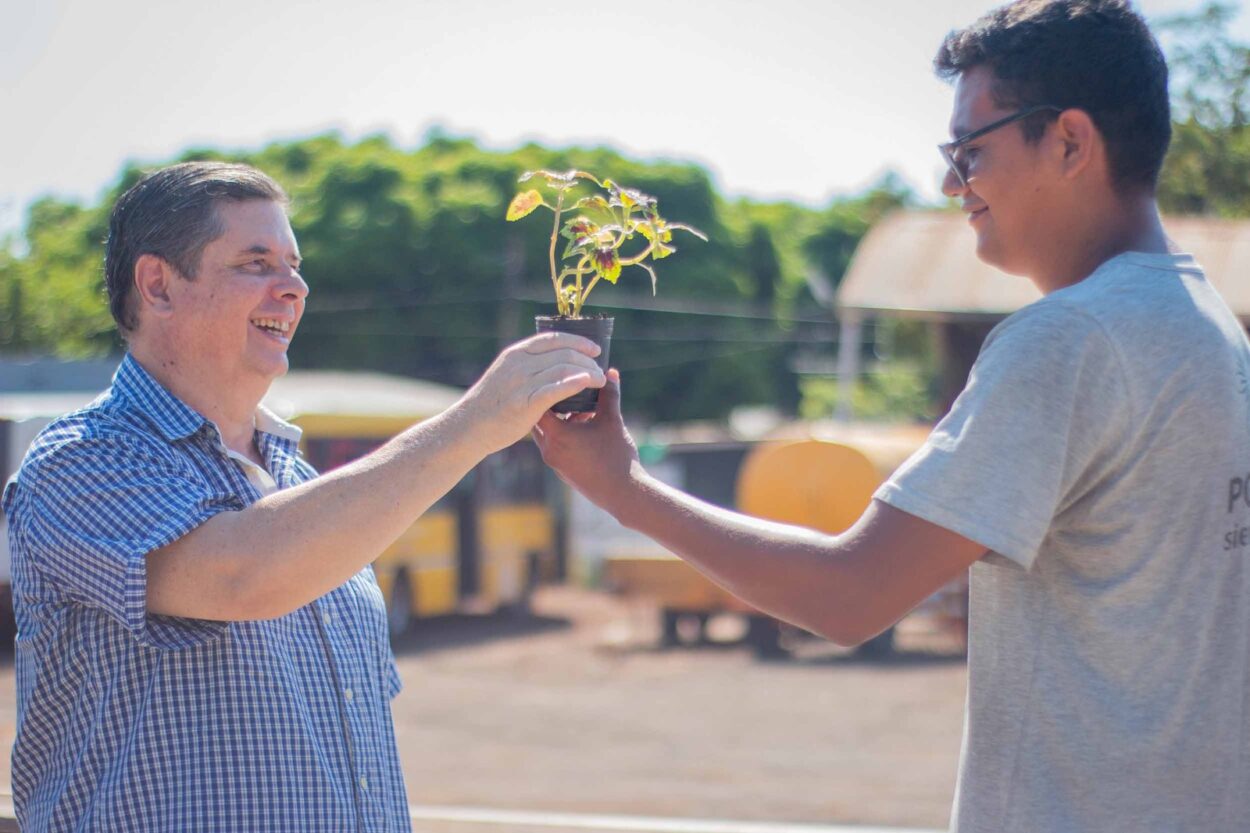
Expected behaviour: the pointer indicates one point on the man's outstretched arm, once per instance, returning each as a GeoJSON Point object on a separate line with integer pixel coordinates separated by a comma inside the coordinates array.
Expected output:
{"type": "Point", "coordinates": [295, 545]}
{"type": "Point", "coordinates": [845, 587]}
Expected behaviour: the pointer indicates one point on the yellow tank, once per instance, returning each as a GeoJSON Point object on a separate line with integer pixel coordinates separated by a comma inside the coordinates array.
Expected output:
{"type": "Point", "coordinates": [822, 481]}
{"type": "Point", "coordinates": [812, 483]}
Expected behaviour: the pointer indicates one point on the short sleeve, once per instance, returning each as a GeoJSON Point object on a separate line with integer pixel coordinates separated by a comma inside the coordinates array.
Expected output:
{"type": "Point", "coordinates": [86, 513]}
{"type": "Point", "coordinates": [1044, 412]}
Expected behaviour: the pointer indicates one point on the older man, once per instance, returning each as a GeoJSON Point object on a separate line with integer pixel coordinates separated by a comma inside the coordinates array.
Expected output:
{"type": "Point", "coordinates": [202, 643]}
{"type": "Point", "coordinates": [1089, 473]}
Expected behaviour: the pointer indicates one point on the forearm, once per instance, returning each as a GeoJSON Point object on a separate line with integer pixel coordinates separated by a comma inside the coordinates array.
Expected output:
{"type": "Point", "coordinates": [801, 576]}
{"type": "Point", "coordinates": [297, 544]}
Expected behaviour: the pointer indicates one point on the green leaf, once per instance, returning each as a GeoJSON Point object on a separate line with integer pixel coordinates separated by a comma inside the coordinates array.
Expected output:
{"type": "Point", "coordinates": [577, 246]}
{"type": "Point", "coordinates": [629, 198]}
{"type": "Point", "coordinates": [607, 264]}
{"type": "Point", "coordinates": [593, 202]}
{"type": "Point", "coordinates": [661, 251]}
{"type": "Point", "coordinates": [523, 204]}
{"type": "Point", "coordinates": [579, 227]}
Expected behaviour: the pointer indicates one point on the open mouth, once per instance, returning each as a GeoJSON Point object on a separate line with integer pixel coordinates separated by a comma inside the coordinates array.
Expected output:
{"type": "Point", "coordinates": [273, 328]}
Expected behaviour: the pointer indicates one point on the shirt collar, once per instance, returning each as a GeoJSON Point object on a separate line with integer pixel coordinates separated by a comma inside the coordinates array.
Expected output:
{"type": "Point", "coordinates": [269, 423]}
{"type": "Point", "coordinates": [173, 418]}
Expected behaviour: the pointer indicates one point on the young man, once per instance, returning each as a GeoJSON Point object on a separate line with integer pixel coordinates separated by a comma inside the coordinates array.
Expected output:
{"type": "Point", "coordinates": [202, 644]}
{"type": "Point", "coordinates": [1089, 473]}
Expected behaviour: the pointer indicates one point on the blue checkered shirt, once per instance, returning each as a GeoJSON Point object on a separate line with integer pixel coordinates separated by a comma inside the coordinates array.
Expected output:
{"type": "Point", "coordinates": [129, 721]}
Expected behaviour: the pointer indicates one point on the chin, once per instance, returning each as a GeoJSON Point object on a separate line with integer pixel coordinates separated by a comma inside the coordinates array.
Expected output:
{"type": "Point", "coordinates": [988, 253]}
{"type": "Point", "coordinates": [271, 369]}
{"type": "Point", "coordinates": [992, 255]}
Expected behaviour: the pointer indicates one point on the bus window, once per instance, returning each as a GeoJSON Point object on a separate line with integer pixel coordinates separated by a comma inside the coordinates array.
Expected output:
{"type": "Point", "coordinates": [516, 474]}
{"type": "Point", "coordinates": [328, 453]}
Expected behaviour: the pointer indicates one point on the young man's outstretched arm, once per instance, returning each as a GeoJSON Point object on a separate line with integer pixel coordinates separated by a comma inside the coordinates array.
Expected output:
{"type": "Point", "coordinates": [845, 587]}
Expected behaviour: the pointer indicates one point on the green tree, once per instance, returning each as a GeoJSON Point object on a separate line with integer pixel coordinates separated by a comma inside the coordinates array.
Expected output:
{"type": "Point", "coordinates": [409, 259]}
{"type": "Point", "coordinates": [1207, 170]}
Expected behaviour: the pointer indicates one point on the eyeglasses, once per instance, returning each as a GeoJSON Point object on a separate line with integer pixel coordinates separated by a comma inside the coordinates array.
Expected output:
{"type": "Point", "coordinates": [951, 150]}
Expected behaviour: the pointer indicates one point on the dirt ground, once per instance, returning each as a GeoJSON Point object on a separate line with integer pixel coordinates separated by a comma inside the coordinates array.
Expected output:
{"type": "Point", "coordinates": [575, 709]}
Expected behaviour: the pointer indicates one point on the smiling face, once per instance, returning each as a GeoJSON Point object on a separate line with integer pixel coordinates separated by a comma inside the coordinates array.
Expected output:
{"type": "Point", "coordinates": [1009, 196]}
{"type": "Point", "coordinates": [235, 319]}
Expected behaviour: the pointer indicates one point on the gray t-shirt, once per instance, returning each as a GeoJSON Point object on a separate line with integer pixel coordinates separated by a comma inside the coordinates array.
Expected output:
{"type": "Point", "coordinates": [1101, 452]}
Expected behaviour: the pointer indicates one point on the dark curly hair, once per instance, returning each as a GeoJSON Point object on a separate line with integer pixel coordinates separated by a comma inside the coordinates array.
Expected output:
{"type": "Point", "coordinates": [1094, 55]}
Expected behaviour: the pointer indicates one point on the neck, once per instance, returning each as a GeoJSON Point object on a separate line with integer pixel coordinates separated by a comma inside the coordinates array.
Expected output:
{"type": "Point", "coordinates": [229, 402]}
{"type": "Point", "coordinates": [1098, 232]}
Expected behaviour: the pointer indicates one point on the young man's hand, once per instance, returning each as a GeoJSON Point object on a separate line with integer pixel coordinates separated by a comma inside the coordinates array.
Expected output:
{"type": "Point", "coordinates": [593, 453]}
{"type": "Point", "coordinates": [525, 381]}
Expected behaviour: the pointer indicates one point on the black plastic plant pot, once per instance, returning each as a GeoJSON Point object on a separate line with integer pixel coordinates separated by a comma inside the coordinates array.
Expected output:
{"type": "Point", "coordinates": [597, 328]}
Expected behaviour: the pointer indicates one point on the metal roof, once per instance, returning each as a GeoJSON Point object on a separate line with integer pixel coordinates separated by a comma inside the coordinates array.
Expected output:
{"type": "Point", "coordinates": [298, 393]}
{"type": "Point", "coordinates": [924, 264]}
{"type": "Point", "coordinates": [328, 392]}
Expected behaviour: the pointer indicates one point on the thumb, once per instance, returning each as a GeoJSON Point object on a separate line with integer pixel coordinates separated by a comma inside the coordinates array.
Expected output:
{"type": "Point", "coordinates": [610, 396]}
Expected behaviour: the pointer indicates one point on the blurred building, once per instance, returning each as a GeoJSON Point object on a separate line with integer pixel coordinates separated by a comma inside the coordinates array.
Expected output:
{"type": "Point", "coordinates": [922, 265]}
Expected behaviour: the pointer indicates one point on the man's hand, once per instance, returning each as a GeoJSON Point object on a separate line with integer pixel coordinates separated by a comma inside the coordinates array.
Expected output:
{"type": "Point", "coordinates": [525, 381]}
{"type": "Point", "coordinates": [592, 453]}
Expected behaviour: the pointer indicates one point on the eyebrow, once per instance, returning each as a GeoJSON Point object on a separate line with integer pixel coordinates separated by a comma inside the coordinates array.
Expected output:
{"type": "Point", "coordinates": [259, 249]}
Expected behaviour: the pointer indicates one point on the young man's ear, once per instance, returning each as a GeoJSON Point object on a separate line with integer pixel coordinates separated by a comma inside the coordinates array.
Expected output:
{"type": "Point", "coordinates": [1079, 142]}
{"type": "Point", "coordinates": [153, 276]}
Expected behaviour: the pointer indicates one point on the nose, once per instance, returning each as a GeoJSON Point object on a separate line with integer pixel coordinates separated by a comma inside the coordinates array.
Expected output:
{"type": "Point", "coordinates": [291, 286]}
{"type": "Point", "coordinates": [951, 186]}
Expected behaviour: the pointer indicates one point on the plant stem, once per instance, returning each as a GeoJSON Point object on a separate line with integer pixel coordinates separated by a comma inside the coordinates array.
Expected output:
{"type": "Point", "coordinates": [582, 298]}
{"type": "Point", "coordinates": [638, 258]}
{"type": "Point", "coordinates": [555, 234]}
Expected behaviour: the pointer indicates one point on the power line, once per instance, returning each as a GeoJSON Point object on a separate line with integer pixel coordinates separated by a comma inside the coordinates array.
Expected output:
{"type": "Point", "coordinates": [746, 310]}
{"type": "Point", "coordinates": [643, 337]}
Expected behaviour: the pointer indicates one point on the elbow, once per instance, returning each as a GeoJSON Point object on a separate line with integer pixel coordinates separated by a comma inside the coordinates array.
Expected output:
{"type": "Point", "coordinates": [842, 635]}
{"type": "Point", "coordinates": [849, 628]}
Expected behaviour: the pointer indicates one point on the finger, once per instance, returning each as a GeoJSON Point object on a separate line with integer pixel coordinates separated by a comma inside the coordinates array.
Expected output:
{"type": "Point", "coordinates": [555, 385]}
{"type": "Point", "coordinates": [546, 342]}
{"type": "Point", "coordinates": [540, 439]}
{"type": "Point", "coordinates": [567, 359]}
{"type": "Point", "coordinates": [595, 378]}
{"type": "Point", "coordinates": [610, 395]}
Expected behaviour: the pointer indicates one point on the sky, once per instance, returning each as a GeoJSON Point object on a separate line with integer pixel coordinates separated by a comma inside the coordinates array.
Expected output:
{"type": "Point", "coordinates": [780, 99]}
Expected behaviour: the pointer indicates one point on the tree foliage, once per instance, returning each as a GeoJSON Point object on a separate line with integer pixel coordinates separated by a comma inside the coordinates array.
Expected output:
{"type": "Point", "coordinates": [413, 270]}
{"type": "Point", "coordinates": [1207, 170]}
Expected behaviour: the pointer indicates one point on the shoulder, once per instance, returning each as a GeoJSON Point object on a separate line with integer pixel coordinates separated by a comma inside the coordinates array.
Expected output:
{"type": "Point", "coordinates": [1052, 329]}
{"type": "Point", "coordinates": [101, 434]}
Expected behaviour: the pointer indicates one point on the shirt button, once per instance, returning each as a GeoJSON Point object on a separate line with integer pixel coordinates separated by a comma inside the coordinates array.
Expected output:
{"type": "Point", "coordinates": [364, 783]}
{"type": "Point", "coordinates": [325, 617]}
{"type": "Point", "coordinates": [348, 694]}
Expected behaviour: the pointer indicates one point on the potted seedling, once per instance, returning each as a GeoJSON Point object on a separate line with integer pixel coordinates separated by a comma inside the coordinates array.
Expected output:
{"type": "Point", "coordinates": [596, 226]}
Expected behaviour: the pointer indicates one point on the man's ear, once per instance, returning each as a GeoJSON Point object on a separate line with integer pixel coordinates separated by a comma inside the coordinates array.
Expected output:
{"type": "Point", "coordinates": [153, 276]}
{"type": "Point", "coordinates": [1079, 142]}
